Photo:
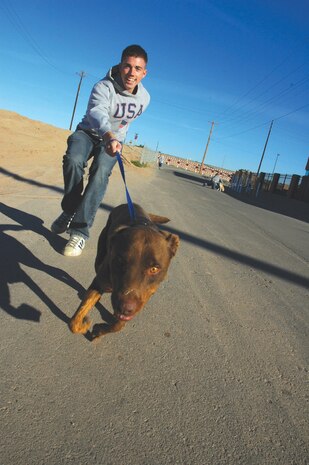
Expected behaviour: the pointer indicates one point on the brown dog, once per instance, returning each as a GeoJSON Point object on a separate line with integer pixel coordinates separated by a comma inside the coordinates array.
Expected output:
{"type": "Point", "coordinates": [132, 260]}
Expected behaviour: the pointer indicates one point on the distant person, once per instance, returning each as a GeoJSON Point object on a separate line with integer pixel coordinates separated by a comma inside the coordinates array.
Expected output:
{"type": "Point", "coordinates": [114, 103]}
{"type": "Point", "coordinates": [160, 161]}
{"type": "Point", "coordinates": [215, 181]}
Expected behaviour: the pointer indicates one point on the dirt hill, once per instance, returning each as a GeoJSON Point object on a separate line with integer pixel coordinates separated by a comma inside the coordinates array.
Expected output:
{"type": "Point", "coordinates": [34, 150]}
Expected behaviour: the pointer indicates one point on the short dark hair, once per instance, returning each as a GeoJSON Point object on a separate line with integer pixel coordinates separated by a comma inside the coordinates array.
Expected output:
{"type": "Point", "coordinates": [134, 51]}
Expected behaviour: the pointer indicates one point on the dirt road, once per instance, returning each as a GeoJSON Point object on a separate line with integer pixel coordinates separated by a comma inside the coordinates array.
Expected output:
{"type": "Point", "coordinates": [213, 371]}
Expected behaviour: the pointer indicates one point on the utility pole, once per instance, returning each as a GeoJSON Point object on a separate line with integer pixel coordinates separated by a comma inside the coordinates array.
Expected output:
{"type": "Point", "coordinates": [278, 155]}
{"type": "Point", "coordinates": [204, 156]}
{"type": "Point", "coordinates": [82, 74]}
{"type": "Point", "coordinates": [269, 131]}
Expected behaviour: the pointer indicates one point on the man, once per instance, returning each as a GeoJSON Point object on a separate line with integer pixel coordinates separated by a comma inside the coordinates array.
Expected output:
{"type": "Point", "coordinates": [160, 160]}
{"type": "Point", "coordinates": [114, 103]}
{"type": "Point", "coordinates": [215, 181]}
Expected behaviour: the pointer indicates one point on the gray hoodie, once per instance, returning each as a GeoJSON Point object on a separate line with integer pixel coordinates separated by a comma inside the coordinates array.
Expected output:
{"type": "Point", "coordinates": [111, 108]}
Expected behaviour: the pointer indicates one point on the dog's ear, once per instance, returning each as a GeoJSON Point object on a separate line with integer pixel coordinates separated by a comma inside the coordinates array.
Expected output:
{"type": "Point", "coordinates": [158, 219]}
{"type": "Point", "coordinates": [117, 230]}
{"type": "Point", "coordinates": [173, 241]}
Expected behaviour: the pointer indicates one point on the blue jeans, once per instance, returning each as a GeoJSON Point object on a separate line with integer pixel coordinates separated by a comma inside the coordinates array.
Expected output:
{"type": "Point", "coordinates": [84, 202]}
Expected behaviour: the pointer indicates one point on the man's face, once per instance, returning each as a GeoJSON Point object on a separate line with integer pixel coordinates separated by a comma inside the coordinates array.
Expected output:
{"type": "Point", "coordinates": [132, 71]}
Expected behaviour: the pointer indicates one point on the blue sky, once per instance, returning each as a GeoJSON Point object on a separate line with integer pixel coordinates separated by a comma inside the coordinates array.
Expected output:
{"type": "Point", "coordinates": [238, 63]}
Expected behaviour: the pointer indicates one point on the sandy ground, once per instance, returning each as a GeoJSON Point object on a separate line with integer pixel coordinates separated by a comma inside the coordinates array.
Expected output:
{"type": "Point", "coordinates": [34, 150]}
{"type": "Point", "coordinates": [213, 371]}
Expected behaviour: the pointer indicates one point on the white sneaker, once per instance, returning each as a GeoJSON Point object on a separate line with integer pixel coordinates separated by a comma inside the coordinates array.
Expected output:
{"type": "Point", "coordinates": [74, 246]}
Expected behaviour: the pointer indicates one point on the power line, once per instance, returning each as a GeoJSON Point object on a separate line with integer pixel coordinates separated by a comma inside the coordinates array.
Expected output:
{"type": "Point", "coordinates": [293, 111]}
{"type": "Point", "coordinates": [267, 76]}
{"type": "Point", "coordinates": [288, 89]}
{"type": "Point", "coordinates": [251, 113]}
{"type": "Point", "coordinates": [18, 24]}
{"type": "Point", "coordinates": [263, 124]}
{"type": "Point", "coordinates": [246, 130]}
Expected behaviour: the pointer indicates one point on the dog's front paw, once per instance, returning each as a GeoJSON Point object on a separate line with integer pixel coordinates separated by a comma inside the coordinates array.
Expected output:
{"type": "Point", "coordinates": [78, 325]}
{"type": "Point", "coordinates": [99, 330]}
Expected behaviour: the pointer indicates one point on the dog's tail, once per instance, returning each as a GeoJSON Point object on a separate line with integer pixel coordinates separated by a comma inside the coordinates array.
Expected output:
{"type": "Point", "coordinates": [158, 219]}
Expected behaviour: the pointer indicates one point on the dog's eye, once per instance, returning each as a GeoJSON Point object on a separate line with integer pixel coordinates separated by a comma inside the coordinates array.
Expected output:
{"type": "Point", "coordinates": [153, 270]}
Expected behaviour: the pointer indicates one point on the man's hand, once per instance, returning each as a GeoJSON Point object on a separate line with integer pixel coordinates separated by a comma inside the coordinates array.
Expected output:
{"type": "Point", "coordinates": [112, 145]}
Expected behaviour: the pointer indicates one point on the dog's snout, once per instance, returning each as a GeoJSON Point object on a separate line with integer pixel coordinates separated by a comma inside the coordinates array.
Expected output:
{"type": "Point", "coordinates": [128, 301]}
{"type": "Point", "coordinates": [128, 306]}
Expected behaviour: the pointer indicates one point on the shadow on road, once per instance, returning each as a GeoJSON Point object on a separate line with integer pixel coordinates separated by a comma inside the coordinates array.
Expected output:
{"type": "Point", "coordinates": [49, 236]}
{"type": "Point", "coordinates": [241, 258]}
{"type": "Point", "coordinates": [275, 203]}
{"type": "Point", "coordinates": [32, 182]}
{"type": "Point", "coordinates": [192, 177]}
{"type": "Point", "coordinates": [14, 254]}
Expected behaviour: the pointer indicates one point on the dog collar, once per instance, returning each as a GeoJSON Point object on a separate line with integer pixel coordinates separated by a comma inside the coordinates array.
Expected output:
{"type": "Point", "coordinates": [142, 221]}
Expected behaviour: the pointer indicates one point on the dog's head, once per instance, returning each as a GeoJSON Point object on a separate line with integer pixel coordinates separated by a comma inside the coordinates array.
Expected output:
{"type": "Point", "coordinates": [139, 257]}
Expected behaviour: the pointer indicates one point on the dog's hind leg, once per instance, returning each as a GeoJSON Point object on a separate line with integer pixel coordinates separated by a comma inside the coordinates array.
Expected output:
{"type": "Point", "coordinates": [79, 322]}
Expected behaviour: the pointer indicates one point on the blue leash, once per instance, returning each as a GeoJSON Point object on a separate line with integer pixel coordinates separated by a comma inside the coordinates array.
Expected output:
{"type": "Point", "coordinates": [130, 203]}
